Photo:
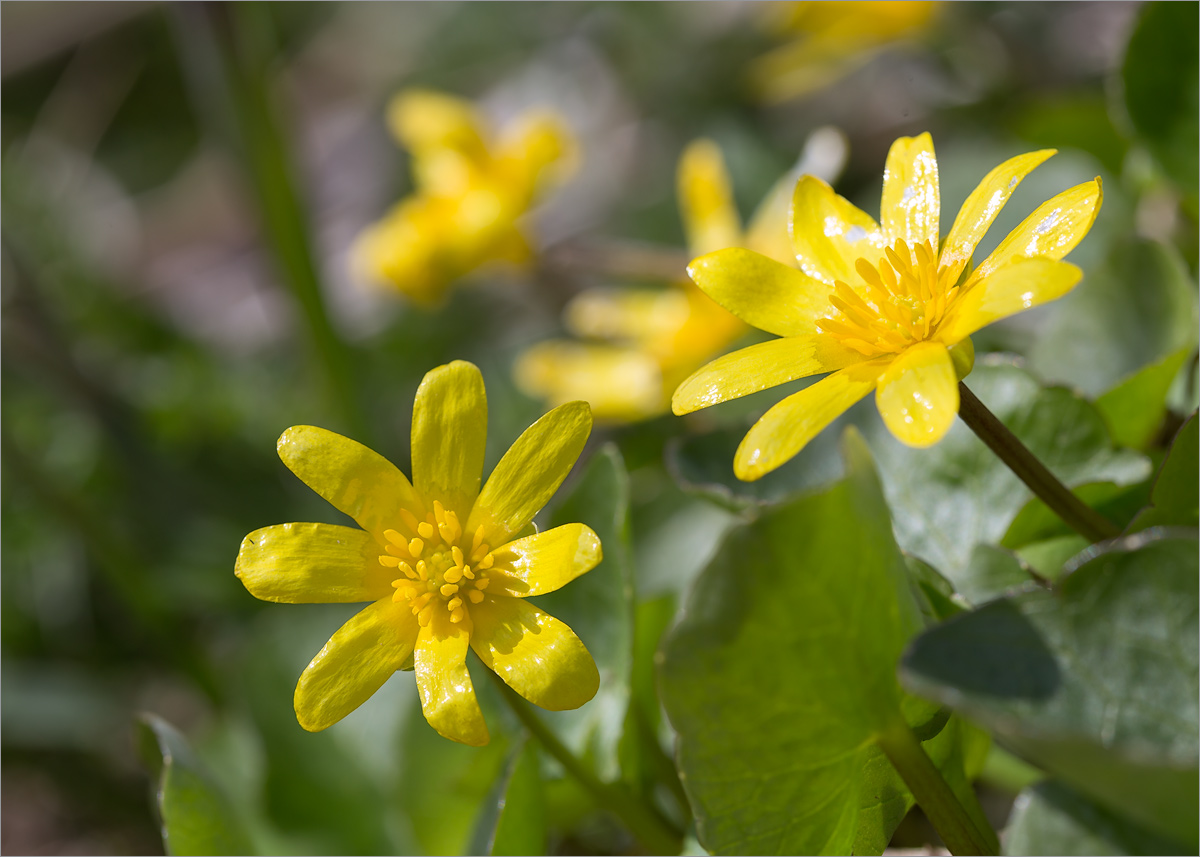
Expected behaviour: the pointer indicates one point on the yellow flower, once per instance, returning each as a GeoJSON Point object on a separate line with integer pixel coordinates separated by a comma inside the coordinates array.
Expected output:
{"type": "Point", "coordinates": [878, 305]}
{"type": "Point", "coordinates": [471, 192]}
{"type": "Point", "coordinates": [439, 559]}
{"type": "Point", "coordinates": [643, 342]}
{"type": "Point", "coordinates": [831, 39]}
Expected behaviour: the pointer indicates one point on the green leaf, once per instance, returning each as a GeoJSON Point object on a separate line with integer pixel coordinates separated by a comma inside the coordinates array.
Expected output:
{"type": "Point", "coordinates": [1096, 682]}
{"type": "Point", "coordinates": [196, 815]}
{"type": "Point", "coordinates": [1135, 309]}
{"type": "Point", "coordinates": [1160, 73]}
{"type": "Point", "coordinates": [1036, 522]}
{"type": "Point", "coordinates": [992, 573]}
{"type": "Point", "coordinates": [599, 608]}
{"type": "Point", "coordinates": [1052, 818]}
{"type": "Point", "coordinates": [1135, 407]}
{"type": "Point", "coordinates": [513, 818]}
{"type": "Point", "coordinates": [1176, 495]}
{"type": "Point", "coordinates": [781, 672]}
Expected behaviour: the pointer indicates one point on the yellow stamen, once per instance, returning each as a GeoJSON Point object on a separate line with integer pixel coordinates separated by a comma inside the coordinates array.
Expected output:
{"type": "Point", "coordinates": [408, 571]}
{"type": "Point", "coordinates": [425, 530]}
{"type": "Point", "coordinates": [458, 615]}
{"type": "Point", "coordinates": [448, 589]}
{"type": "Point", "coordinates": [389, 560]}
{"type": "Point", "coordinates": [467, 573]}
{"type": "Point", "coordinates": [454, 603]}
{"type": "Point", "coordinates": [485, 563]}
{"type": "Point", "coordinates": [457, 553]}
{"type": "Point", "coordinates": [475, 595]}
{"type": "Point", "coordinates": [482, 583]}
{"type": "Point", "coordinates": [424, 616]}
{"type": "Point", "coordinates": [453, 575]}
{"type": "Point", "coordinates": [395, 538]}
{"type": "Point", "coordinates": [415, 547]}
{"type": "Point", "coordinates": [410, 520]}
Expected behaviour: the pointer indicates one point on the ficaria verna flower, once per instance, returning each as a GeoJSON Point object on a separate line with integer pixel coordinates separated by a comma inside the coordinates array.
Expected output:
{"type": "Point", "coordinates": [637, 344]}
{"type": "Point", "coordinates": [471, 193]}
{"type": "Point", "coordinates": [878, 305]}
{"type": "Point", "coordinates": [440, 561]}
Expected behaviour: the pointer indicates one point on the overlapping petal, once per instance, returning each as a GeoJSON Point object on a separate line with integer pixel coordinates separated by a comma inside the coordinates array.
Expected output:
{"type": "Point", "coordinates": [424, 121]}
{"type": "Point", "coordinates": [710, 218]}
{"type": "Point", "coordinates": [911, 203]}
{"type": "Point", "coordinates": [312, 564]}
{"type": "Point", "coordinates": [1009, 290]}
{"type": "Point", "coordinates": [785, 429]}
{"type": "Point", "coordinates": [537, 655]}
{"type": "Point", "coordinates": [530, 472]}
{"type": "Point", "coordinates": [619, 382]}
{"type": "Point", "coordinates": [760, 366]}
{"type": "Point", "coordinates": [760, 291]}
{"type": "Point", "coordinates": [449, 435]}
{"type": "Point", "coordinates": [355, 663]}
{"type": "Point", "coordinates": [354, 479]}
{"type": "Point", "coordinates": [981, 208]}
{"type": "Point", "coordinates": [544, 562]}
{"type": "Point", "coordinates": [829, 233]}
{"type": "Point", "coordinates": [447, 695]}
{"type": "Point", "coordinates": [1051, 232]}
{"type": "Point", "coordinates": [918, 394]}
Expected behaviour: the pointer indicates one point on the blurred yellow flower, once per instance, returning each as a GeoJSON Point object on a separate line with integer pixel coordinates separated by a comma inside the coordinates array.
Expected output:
{"type": "Point", "coordinates": [471, 193]}
{"type": "Point", "coordinates": [438, 560]}
{"type": "Point", "coordinates": [830, 40]}
{"type": "Point", "coordinates": [644, 342]}
{"type": "Point", "coordinates": [877, 304]}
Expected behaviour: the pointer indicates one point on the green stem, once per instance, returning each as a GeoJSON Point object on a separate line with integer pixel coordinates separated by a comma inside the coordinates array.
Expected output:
{"type": "Point", "coordinates": [1045, 485]}
{"type": "Point", "coordinates": [949, 817]}
{"type": "Point", "coordinates": [655, 835]}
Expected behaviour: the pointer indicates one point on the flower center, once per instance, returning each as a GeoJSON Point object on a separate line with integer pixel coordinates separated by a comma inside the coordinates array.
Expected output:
{"type": "Point", "coordinates": [441, 569]}
{"type": "Point", "coordinates": [902, 301]}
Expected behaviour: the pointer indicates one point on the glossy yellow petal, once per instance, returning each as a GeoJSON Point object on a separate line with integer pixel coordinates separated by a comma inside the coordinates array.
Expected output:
{"type": "Point", "coordinates": [449, 433]}
{"type": "Point", "coordinates": [1051, 232]}
{"type": "Point", "coordinates": [760, 291]}
{"type": "Point", "coordinates": [829, 233]}
{"type": "Point", "coordinates": [544, 562]}
{"type": "Point", "coordinates": [785, 429]}
{"type": "Point", "coordinates": [355, 663]}
{"type": "Point", "coordinates": [918, 394]}
{"type": "Point", "coordinates": [911, 203]}
{"type": "Point", "coordinates": [530, 472]}
{"type": "Point", "coordinates": [312, 564]}
{"type": "Point", "coordinates": [981, 209]}
{"type": "Point", "coordinates": [760, 366]}
{"type": "Point", "coordinates": [1009, 290]}
{"type": "Point", "coordinates": [537, 655]}
{"type": "Point", "coordinates": [424, 121]}
{"type": "Point", "coordinates": [619, 383]}
{"type": "Point", "coordinates": [356, 480]}
{"type": "Point", "coordinates": [447, 695]}
{"type": "Point", "coordinates": [710, 218]}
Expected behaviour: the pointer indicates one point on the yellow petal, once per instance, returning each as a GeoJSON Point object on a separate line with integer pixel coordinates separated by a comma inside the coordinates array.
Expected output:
{"type": "Point", "coordinates": [424, 121]}
{"type": "Point", "coordinates": [760, 366]}
{"type": "Point", "coordinates": [911, 203]}
{"type": "Point", "coordinates": [356, 480]}
{"type": "Point", "coordinates": [530, 472]}
{"type": "Point", "coordinates": [537, 655]}
{"type": "Point", "coordinates": [619, 383]}
{"type": "Point", "coordinates": [981, 209]}
{"type": "Point", "coordinates": [449, 432]}
{"type": "Point", "coordinates": [312, 564]}
{"type": "Point", "coordinates": [760, 291]}
{"type": "Point", "coordinates": [1009, 290]}
{"type": "Point", "coordinates": [1051, 232]}
{"type": "Point", "coordinates": [638, 315]}
{"type": "Point", "coordinates": [710, 218]}
{"type": "Point", "coordinates": [918, 394]}
{"type": "Point", "coordinates": [355, 663]}
{"type": "Point", "coordinates": [447, 695]}
{"type": "Point", "coordinates": [829, 233]}
{"type": "Point", "coordinates": [785, 429]}
{"type": "Point", "coordinates": [544, 562]}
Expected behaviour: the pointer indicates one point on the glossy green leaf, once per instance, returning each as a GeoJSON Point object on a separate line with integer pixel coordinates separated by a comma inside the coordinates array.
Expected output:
{"type": "Point", "coordinates": [1096, 682]}
{"type": "Point", "coordinates": [1176, 494]}
{"type": "Point", "coordinates": [513, 817]}
{"type": "Point", "coordinates": [1160, 82]}
{"type": "Point", "coordinates": [1051, 818]}
{"type": "Point", "coordinates": [991, 573]}
{"type": "Point", "coordinates": [1135, 407]}
{"type": "Point", "coordinates": [781, 672]}
{"type": "Point", "coordinates": [196, 815]}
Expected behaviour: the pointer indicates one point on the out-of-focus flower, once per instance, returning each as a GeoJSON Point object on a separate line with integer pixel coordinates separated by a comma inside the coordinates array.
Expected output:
{"type": "Point", "coordinates": [878, 305]}
{"type": "Point", "coordinates": [642, 343]}
{"type": "Point", "coordinates": [472, 191]}
{"type": "Point", "coordinates": [437, 557]}
{"type": "Point", "coordinates": [830, 40]}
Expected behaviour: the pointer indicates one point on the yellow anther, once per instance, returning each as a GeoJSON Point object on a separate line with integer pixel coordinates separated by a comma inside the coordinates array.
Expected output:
{"type": "Point", "coordinates": [453, 575]}
{"type": "Point", "coordinates": [448, 589]}
{"type": "Point", "coordinates": [415, 547]}
{"type": "Point", "coordinates": [475, 595]}
{"type": "Point", "coordinates": [485, 563]}
{"type": "Point", "coordinates": [479, 552]}
{"type": "Point", "coordinates": [408, 571]}
{"type": "Point", "coordinates": [397, 550]}
{"type": "Point", "coordinates": [467, 573]}
{"type": "Point", "coordinates": [457, 553]}
{"type": "Point", "coordinates": [439, 511]}
{"type": "Point", "coordinates": [394, 537]}
{"type": "Point", "coordinates": [425, 530]}
{"type": "Point", "coordinates": [389, 560]}
{"type": "Point", "coordinates": [410, 520]}
{"type": "Point", "coordinates": [482, 583]}
{"type": "Point", "coordinates": [477, 539]}
{"type": "Point", "coordinates": [422, 570]}
{"type": "Point", "coordinates": [458, 615]}
{"type": "Point", "coordinates": [424, 616]}
{"type": "Point", "coordinates": [454, 603]}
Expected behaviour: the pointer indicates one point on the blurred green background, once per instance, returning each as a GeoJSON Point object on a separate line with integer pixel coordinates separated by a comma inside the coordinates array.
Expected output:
{"type": "Point", "coordinates": [181, 186]}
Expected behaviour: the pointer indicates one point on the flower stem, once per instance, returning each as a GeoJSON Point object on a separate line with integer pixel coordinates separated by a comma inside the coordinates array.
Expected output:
{"type": "Point", "coordinates": [655, 834]}
{"type": "Point", "coordinates": [953, 821]}
{"type": "Point", "coordinates": [1045, 485]}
